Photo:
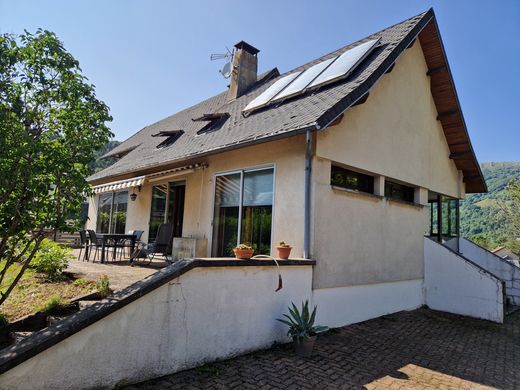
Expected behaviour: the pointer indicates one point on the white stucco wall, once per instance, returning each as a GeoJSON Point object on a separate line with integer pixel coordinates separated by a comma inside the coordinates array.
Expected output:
{"type": "Point", "coordinates": [505, 270]}
{"type": "Point", "coordinates": [340, 306]}
{"type": "Point", "coordinates": [205, 314]}
{"type": "Point", "coordinates": [455, 285]}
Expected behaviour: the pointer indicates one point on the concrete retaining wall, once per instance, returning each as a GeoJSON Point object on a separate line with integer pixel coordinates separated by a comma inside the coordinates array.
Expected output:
{"type": "Point", "coordinates": [340, 306]}
{"type": "Point", "coordinates": [203, 315]}
{"type": "Point", "coordinates": [456, 285]}
{"type": "Point", "coordinates": [508, 272]}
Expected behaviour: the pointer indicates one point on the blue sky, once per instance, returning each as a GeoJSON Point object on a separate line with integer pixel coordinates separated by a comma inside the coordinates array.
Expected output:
{"type": "Point", "coordinates": [150, 59]}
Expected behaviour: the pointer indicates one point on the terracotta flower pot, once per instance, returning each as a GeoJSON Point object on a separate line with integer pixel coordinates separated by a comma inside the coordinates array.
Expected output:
{"type": "Point", "coordinates": [284, 252]}
{"type": "Point", "coordinates": [304, 348]}
{"type": "Point", "coordinates": [243, 254]}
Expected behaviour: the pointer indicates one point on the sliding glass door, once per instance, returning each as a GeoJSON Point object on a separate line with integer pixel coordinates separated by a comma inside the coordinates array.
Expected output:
{"type": "Point", "coordinates": [243, 211]}
{"type": "Point", "coordinates": [167, 207]}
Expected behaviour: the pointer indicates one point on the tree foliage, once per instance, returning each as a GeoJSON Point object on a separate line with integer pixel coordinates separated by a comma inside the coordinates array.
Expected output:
{"type": "Point", "coordinates": [51, 125]}
{"type": "Point", "coordinates": [483, 216]}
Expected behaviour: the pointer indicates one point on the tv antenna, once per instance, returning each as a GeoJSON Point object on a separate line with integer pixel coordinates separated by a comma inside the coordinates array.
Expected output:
{"type": "Point", "coordinates": [227, 69]}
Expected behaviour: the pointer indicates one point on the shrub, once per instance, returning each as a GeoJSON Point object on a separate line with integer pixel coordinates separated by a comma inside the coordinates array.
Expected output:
{"type": "Point", "coordinates": [54, 303]}
{"type": "Point", "coordinates": [51, 259]}
{"type": "Point", "coordinates": [80, 282]}
{"type": "Point", "coordinates": [103, 286]}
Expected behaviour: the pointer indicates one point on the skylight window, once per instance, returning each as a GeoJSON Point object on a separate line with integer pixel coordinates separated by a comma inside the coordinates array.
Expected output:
{"type": "Point", "coordinates": [170, 137]}
{"type": "Point", "coordinates": [215, 121]}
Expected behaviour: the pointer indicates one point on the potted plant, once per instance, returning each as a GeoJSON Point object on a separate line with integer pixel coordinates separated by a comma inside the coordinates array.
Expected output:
{"type": "Point", "coordinates": [301, 328]}
{"type": "Point", "coordinates": [243, 251]}
{"type": "Point", "coordinates": [284, 250]}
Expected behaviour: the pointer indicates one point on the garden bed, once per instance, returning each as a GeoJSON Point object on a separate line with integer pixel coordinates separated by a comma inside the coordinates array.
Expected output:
{"type": "Point", "coordinates": [34, 290]}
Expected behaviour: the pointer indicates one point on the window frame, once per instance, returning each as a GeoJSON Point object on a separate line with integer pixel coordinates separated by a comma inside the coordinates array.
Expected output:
{"type": "Point", "coordinates": [241, 171]}
{"type": "Point", "coordinates": [357, 172]}
{"type": "Point", "coordinates": [405, 186]}
{"type": "Point", "coordinates": [112, 198]}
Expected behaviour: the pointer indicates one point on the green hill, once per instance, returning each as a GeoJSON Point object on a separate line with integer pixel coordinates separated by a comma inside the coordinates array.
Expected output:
{"type": "Point", "coordinates": [479, 219]}
{"type": "Point", "coordinates": [99, 164]}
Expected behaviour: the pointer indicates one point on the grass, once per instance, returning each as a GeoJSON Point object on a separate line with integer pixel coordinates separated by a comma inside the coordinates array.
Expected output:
{"type": "Point", "coordinates": [55, 302]}
{"type": "Point", "coordinates": [35, 290]}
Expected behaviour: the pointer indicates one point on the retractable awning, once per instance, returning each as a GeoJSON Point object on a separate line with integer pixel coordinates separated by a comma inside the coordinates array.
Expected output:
{"type": "Point", "coordinates": [119, 185]}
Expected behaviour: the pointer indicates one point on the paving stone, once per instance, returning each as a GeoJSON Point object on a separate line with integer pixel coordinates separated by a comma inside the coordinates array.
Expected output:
{"type": "Point", "coordinates": [420, 349]}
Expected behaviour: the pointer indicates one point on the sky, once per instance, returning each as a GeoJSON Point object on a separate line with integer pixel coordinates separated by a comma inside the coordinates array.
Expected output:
{"type": "Point", "coordinates": [150, 59]}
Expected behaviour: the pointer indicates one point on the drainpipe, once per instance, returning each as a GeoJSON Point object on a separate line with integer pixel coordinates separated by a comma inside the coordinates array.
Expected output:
{"type": "Point", "coordinates": [307, 201]}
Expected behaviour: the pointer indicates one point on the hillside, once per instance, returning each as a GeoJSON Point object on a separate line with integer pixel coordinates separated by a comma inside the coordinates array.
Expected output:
{"type": "Point", "coordinates": [479, 218]}
{"type": "Point", "coordinates": [99, 164]}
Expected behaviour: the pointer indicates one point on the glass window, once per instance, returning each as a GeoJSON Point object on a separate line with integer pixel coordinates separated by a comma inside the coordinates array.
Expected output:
{"type": "Point", "coordinates": [112, 209]}
{"type": "Point", "coordinates": [352, 180]}
{"type": "Point", "coordinates": [158, 210]}
{"type": "Point", "coordinates": [248, 194]}
{"type": "Point", "coordinates": [399, 191]}
{"type": "Point", "coordinates": [257, 210]}
{"type": "Point", "coordinates": [449, 216]}
{"type": "Point", "coordinates": [103, 215]}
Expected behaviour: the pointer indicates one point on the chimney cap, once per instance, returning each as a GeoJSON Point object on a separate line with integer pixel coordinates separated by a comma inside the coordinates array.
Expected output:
{"type": "Point", "coordinates": [247, 47]}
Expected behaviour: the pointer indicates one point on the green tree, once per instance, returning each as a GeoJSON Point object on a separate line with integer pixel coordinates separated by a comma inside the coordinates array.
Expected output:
{"type": "Point", "coordinates": [51, 125]}
{"type": "Point", "coordinates": [510, 207]}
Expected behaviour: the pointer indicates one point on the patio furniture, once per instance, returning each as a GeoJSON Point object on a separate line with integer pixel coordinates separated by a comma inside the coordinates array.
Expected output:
{"type": "Point", "coordinates": [94, 243]}
{"type": "Point", "coordinates": [127, 244]}
{"type": "Point", "coordinates": [113, 240]}
{"type": "Point", "coordinates": [83, 242]}
{"type": "Point", "coordinates": [162, 246]}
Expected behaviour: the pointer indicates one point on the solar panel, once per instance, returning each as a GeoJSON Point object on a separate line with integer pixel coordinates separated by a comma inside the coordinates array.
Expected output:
{"type": "Point", "coordinates": [303, 80]}
{"type": "Point", "coordinates": [345, 63]}
{"type": "Point", "coordinates": [266, 96]}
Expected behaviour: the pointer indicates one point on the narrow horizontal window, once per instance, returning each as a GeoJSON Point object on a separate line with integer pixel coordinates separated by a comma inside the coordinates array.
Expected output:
{"type": "Point", "coordinates": [352, 180]}
{"type": "Point", "coordinates": [399, 191]}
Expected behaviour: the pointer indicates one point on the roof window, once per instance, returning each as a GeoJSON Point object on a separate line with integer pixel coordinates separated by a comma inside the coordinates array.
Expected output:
{"type": "Point", "coordinates": [215, 121]}
{"type": "Point", "coordinates": [171, 137]}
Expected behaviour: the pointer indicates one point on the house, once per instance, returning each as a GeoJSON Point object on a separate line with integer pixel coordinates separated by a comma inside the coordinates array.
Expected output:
{"type": "Point", "coordinates": [352, 158]}
{"type": "Point", "coordinates": [358, 159]}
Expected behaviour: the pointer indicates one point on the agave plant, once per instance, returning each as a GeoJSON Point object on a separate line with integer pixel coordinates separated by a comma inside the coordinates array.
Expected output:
{"type": "Point", "coordinates": [301, 324]}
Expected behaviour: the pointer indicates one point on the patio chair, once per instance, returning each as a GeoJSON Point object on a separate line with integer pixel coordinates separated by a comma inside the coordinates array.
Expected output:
{"type": "Point", "coordinates": [94, 243]}
{"type": "Point", "coordinates": [83, 242]}
{"type": "Point", "coordinates": [127, 244]}
{"type": "Point", "coordinates": [162, 246]}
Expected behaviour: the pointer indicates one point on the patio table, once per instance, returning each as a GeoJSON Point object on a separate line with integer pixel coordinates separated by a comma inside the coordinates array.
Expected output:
{"type": "Point", "coordinates": [116, 237]}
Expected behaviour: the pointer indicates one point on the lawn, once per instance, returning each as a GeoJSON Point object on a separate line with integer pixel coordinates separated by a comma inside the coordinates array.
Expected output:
{"type": "Point", "coordinates": [34, 290]}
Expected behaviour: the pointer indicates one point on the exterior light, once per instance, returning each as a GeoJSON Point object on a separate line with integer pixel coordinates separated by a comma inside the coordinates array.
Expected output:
{"type": "Point", "coordinates": [133, 195]}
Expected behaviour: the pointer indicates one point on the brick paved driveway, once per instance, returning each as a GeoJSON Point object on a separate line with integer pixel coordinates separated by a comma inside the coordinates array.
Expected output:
{"type": "Point", "coordinates": [422, 349]}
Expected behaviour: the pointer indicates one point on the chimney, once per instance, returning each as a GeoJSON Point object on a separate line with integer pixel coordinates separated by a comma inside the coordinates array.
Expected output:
{"type": "Point", "coordinates": [245, 64]}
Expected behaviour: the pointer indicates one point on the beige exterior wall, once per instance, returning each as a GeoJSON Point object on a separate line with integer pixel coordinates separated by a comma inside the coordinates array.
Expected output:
{"type": "Point", "coordinates": [363, 240]}
{"type": "Point", "coordinates": [395, 133]}
{"type": "Point", "coordinates": [287, 157]}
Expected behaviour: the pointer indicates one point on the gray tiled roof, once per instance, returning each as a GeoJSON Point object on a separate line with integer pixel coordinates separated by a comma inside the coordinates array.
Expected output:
{"type": "Point", "coordinates": [312, 110]}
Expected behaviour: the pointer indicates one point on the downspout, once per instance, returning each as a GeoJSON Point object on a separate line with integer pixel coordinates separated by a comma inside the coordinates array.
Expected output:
{"type": "Point", "coordinates": [307, 200]}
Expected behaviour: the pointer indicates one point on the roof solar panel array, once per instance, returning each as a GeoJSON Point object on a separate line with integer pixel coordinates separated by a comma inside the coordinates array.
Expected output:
{"type": "Point", "coordinates": [264, 98]}
{"type": "Point", "coordinates": [303, 80]}
{"type": "Point", "coordinates": [322, 73]}
{"type": "Point", "coordinates": [345, 63]}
